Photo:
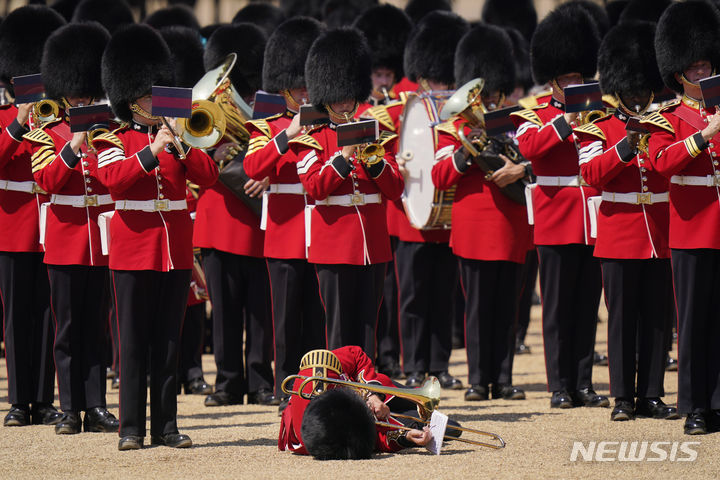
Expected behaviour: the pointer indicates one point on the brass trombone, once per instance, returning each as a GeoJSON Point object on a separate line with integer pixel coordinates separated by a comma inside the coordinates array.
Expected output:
{"type": "Point", "coordinates": [426, 397]}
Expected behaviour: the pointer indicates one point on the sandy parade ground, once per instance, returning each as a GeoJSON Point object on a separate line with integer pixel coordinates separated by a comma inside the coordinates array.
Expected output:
{"type": "Point", "coordinates": [241, 441]}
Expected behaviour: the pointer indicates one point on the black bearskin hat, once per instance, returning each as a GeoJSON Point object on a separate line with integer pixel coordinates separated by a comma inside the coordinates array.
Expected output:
{"type": "Point", "coordinates": [647, 10]}
{"type": "Point", "coordinates": [111, 14]}
{"type": "Point", "coordinates": [430, 51]}
{"type": "Point", "coordinates": [521, 55]}
{"type": "Point", "coordinates": [266, 16]}
{"type": "Point", "coordinates": [595, 11]}
{"type": "Point", "coordinates": [417, 9]}
{"type": "Point", "coordinates": [614, 9]}
{"type": "Point", "coordinates": [65, 8]}
{"type": "Point", "coordinates": [302, 8]}
{"type": "Point", "coordinates": [248, 42]}
{"type": "Point", "coordinates": [286, 52]}
{"type": "Point", "coordinates": [71, 61]}
{"type": "Point", "coordinates": [338, 67]}
{"type": "Point", "coordinates": [207, 31]}
{"type": "Point", "coordinates": [337, 425]}
{"type": "Point", "coordinates": [169, 16]}
{"type": "Point", "coordinates": [686, 33]}
{"type": "Point", "coordinates": [566, 41]}
{"type": "Point", "coordinates": [186, 53]}
{"type": "Point", "coordinates": [486, 51]}
{"type": "Point", "coordinates": [22, 37]}
{"type": "Point", "coordinates": [519, 14]}
{"type": "Point", "coordinates": [386, 29]}
{"type": "Point", "coordinates": [342, 13]}
{"type": "Point", "coordinates": [626, 59]}
{"type": "Point", "coordinates": [135, 59]}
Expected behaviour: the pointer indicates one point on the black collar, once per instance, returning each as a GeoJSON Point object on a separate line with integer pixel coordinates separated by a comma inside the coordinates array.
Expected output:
{"type": "Point", "coordinates": [139, 127]}
{"type": "Point", "coordinates": [557, 104]}
{"type": "Point", "coordinates": [621, 115]}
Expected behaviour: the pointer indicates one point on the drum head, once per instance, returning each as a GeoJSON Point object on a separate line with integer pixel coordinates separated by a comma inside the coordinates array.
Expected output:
{"type": "Point", "coordinates": [417, 147]}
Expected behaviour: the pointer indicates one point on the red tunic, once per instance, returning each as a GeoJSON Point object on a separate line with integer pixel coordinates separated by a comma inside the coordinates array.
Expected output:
{"type": "Point", "coordinates": [625, 230]}
{"type": "Point", "coordinates": [356, 367]}
{"type": "Point", "coordinates": [268, 156]}
{"type": "Point", "coordinates": [72, 235]}
{"type": "Point", "coordinates": [486, 224]}
{"type": "Point", "coordinates": [149, 240]}
{"type": "Point", "coordinates": [341, 234]}
{"type": "Point", "coordinates": [674, 152]}
{"type": "Point", "coordinates": [19, 211]}
{"type": "Point", "coordinates": [560, 212]}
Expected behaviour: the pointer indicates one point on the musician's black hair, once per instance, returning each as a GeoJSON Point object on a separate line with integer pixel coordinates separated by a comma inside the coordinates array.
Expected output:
{"type": "Point", "coordinates": [286, 52]}
{"type": "Point", "coordinates": [493, 62]}
{"type": "Point", "coordinates": [112, 14]}
{"type": "Point", "coordinates": [386, 29]}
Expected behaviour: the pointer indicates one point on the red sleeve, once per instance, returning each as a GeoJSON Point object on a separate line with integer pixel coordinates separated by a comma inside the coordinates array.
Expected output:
{"type": "Point", "coordinates": [52, 176]}
{"type": "Point", "coordinates": [446, 172]}
{"type": "Point", "coordinates": [320, 178]}
{"type": "Point", "coordinates": [390, 181]}
{"type": "Point", "coordinates": [600, 164]}
{"type": "Point", "coordinates": [200, 168]}
{"type": "Point", "coordinates": [264, 153]}
{"type": "Point", "coordinates": [10, 138]}
{"type": "Point", "coordinates": [669, 155]}
{"type": "Point", "coordinates": [536, 141]}
{"type": "Point", "coordinates": [119, 171]}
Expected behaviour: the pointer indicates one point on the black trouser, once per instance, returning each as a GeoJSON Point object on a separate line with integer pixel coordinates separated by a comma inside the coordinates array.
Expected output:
{"type": "Point", "coordinates": [239, 290]}
{"type": "Point", "coordinates": [427, 276]}
{"type": "Point", "coordinates": [150, 310]}
{"type": "Point", "coordinates": [528, 278]}
{"type": "Point", "coordinates": [297, 313]}
{"type": "Point", "coordinates": [570, 284]}
{"type": "Point", "coordinates": [388, 343]}
{"type": "Point", "coordinates": [191, 344]}
{"type": "Point", "coordinates": [114, 354]}
{"type": "Point", "coordinates": [351, 296]}
{"type": "Point", "coordinates": [77, 295]}
{"type": "Point", "coordinates": [491, 295]}
{"type": "Point", "coordinates": [696, 275]}
{"type": "Point", "coordinates": [639, 300]}
{"type": "Point", "coordinates": [28, 327]}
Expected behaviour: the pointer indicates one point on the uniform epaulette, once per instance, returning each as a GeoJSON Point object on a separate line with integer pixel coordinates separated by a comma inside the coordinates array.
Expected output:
{"type": "Point", "coordinates": [40, 136]}
{"type": "Point", "coordinates": [529, 115]}
{"type": "Point", "coordinates": [308, 141]}
{"type": "Point", "coordinates": [380, 113]}
{"type": "Point", "coordinates": [659, 121]}
{"type": "Point", "coordinates": [532, 100]}
{"type": "Point", "coordinates": [43, 156]}
{"type": "Point", "coordinates": [110, 138]}
{"type": "Point", "coordinates": [611, 100]}
{"type": "Point", "coordinates": [591, 129]}
{"type": "Point", "coordinates": [449, 128]}
{"type": "Point", "coordinates": [262, 124]}
{"type": "Point", "coordinates": [402, 97]}
{"type": "Point", "coordinates": [385, 137]}
{"type": "Point", "coordinates": [669, 105]}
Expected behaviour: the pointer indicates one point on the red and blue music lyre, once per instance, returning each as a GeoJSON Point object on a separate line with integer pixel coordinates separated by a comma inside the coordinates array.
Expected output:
{"type": "Point", "coordinates": [357, 133]}
{"type": "Point", "coordinates": [309, 115]}
{"type": "Point", "coordinates": [267, 105]}
{"type": "Point", "coordinates": [173, 102]}
{"type": "Point", "coordinates": [583, 98]}
{"type": "Point", "coordinates": [28, 88]}
{"type": "Point", "coordinates": [85, 118]}
{"type": "Point", "coordinates": [498, 121]}
{"type": "Point", "coordinates": [710, 91]}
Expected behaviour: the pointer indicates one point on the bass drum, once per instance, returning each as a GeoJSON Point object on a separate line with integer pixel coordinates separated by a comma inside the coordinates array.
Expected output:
{"type": "Point", "coordinates": [425, 206]}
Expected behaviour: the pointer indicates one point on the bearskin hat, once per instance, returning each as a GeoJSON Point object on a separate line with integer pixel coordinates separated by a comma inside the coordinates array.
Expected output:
{"type": "Point", "coordinates": [519, 14]}
{"type": "Point", "coordinates": [135, 59]}
{"type": "Point", "coordinates": [417, 9]}
{"type": "Point", "coordinates": [302, 8]}
{"type": "Point", "coordinates": [595, 11]}
{"type": "Point", "coordinates": [186, 53]}
{"type": "Point", "coordinates": [264, 15]}
{"type": "Point", "coordinates": [65, 8]}
{"type": "Point", "coordinates": [286, 52]}
{"type": "Point", "coordinates": [386, 29]}
{"type": "Point", "coordinates": [486, 51]}
{"type": "Point", "coordinates": [207, 31]}
{"type": "Point", "coordinates": [626, 59]}
{"type": "Point", "coordinates": [430, 51]}
{"type": "Point", "coordinates": [111, 14]}
{"type": "Point", "coordinates": [565, 41]}
{"type": "Point", "coordinates": [521, 55]}
{"type": "Point", "coordinates": [22, 37]}
{"type": "Point", "coordinates": [71, 61]}
{"type": "Point", "coordinates": [337, 425]}
{"type": "Point", "coordinates": [342, 13]}
{"type": "Point", "coordinates": [686, 33]}
{"type": "Point", "coordinates": [614, 9]}
{"type": "Point", "coordinates": [648, 10]}
{"type": "Point", "coordinates": [175, 15]}
{"type": "Point", "coordinates": [338, 67]}
{"type": "Point", "coordinates": [248, 42]}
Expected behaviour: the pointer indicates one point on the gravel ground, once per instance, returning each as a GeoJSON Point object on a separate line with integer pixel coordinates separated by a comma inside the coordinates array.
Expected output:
{"type": "Point", "coordinates": [240, 441]}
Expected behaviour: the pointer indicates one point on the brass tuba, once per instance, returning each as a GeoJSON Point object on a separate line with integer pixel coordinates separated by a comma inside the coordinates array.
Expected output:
{"type": "Point", "coordinates": [46, 111]}
{"type": "Point", "coordinates": [466, 102]}
{"type": "Point", "coordinates": [217, 110]}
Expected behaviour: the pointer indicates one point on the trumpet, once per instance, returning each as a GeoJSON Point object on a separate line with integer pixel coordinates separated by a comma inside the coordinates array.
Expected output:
{"type": "Point", "coordinates": [368, 153]}
{"type": "Point", "coordinates": [46, 111]}
{"type": "Point", "coordinates": [426, 398]}
{"type": "Point", "coordinates": [590, 116]}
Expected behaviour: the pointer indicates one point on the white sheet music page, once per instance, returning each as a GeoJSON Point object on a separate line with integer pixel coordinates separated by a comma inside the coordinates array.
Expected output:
{"type": "Point", "coordinates": [438, 424]}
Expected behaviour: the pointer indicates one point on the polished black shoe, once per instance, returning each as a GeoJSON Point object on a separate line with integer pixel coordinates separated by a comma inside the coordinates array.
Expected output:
{"type": "Point", "coordinates": [476, 393]}
{"type": "Point", "coordinates": [507, 392]}
{"type": "Point", "coordinates": [69, 424]}
{"type": "Point", "coordinates": [588, 398]}
{"type": "Point", "coordinates": [655, 408]}
{"type": "Point", "coordinates": [198, 386]}
{"type": "Point", "coordinates": [448, 382]}
{"type": "Point", "coordinates": [695, 424]}
{"type": "Point", "coordinates": [263, 396]}
{"type": "Point", "coordinates": [522, 349]}
{"type": "Point", "coordinates": [600, 360]}
{"type": "Point", "coordinates": [671, 365]}
{"type": "Point", "coordinates": [18, 416]}
{"type": "Point", "coordinates": [414, 379]}
{"type": "Point", "coordinates": [98, 419]}
{"type": "Point", "coordinates": [283, 404]}
{"type": "Point", "coordinates": [561, 399]}
{"type": "Point", "coordinates": [622, 411]}
{"type": "Point", "coordinates": [115, 384]}
{"type": "Point", "coordinates": [45, 414]}
{"type": "Point", "coordinates": [130, 442]}
{"type": "Point", "coordinates": [174, 440]}
{"type": "Point", "coordinates": [221, 398]}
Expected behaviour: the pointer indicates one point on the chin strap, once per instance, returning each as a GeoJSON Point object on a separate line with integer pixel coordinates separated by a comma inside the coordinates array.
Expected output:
{"type": "Point", "coordinates": [340, 118]}
{"type": "Point", "coordinates": [134, 107]}
{"type": "Point", "coordinates": [630, 112]}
